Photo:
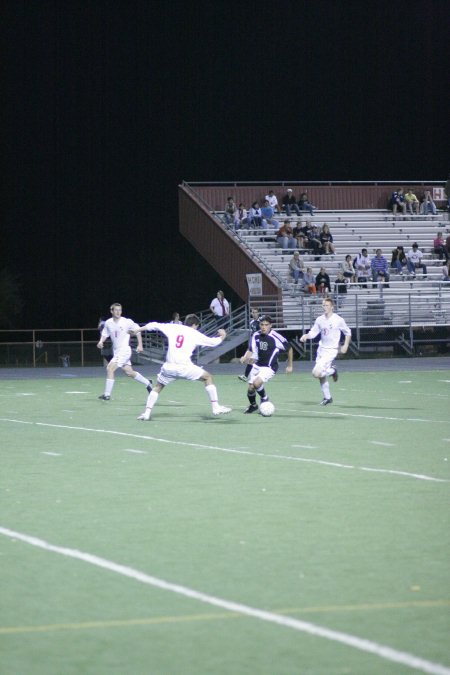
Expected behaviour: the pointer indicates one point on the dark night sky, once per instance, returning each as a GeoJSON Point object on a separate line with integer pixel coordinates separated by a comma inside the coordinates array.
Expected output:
{"type": "Point", "coordinates": [109, 104]}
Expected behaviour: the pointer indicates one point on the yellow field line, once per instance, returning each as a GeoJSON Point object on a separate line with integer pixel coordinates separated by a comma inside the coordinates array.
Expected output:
{"type": "Point", "coordinates": [219, 616]}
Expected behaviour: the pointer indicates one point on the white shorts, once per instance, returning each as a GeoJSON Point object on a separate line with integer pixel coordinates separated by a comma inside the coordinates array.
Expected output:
{"type": "Point", "coordinates": [176, 371]}
{"type": "Point", "coordinates": [122, 357]}
{"type": "Point", "coordinates": [325, 358]}
{"type": "Point", "coordinates": [263, 372]}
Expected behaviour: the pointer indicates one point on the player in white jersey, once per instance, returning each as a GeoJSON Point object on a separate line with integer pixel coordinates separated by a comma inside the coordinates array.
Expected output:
{"type": "Point", "coordinates": [182, 340]}
{"type": "Point", "coordinates": [330, 326]}
{"type": "Point", "coordinates": [118, 328]}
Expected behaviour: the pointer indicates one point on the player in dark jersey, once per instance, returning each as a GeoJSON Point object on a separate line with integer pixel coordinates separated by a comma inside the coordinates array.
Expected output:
{"type": "Point", "coordinates": [266, 344]}
{"type": "Point", "coordinates": [254, 326]}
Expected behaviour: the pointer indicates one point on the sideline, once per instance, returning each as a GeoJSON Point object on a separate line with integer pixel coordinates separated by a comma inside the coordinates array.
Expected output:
{"type": "Point", "coordinates": [387, 653]}
{"type": "Point", "coordinates": [235, 451]}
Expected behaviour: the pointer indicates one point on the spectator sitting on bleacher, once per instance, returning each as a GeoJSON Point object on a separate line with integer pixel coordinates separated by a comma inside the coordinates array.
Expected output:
{"type": "Point", "coordinates": [309, 281]}
{"type": "Point", "coordinates": [230, 211]}
{"type": "Point", "coordinates": [326, 240]}
{"type": "Point", "coordinates": [439, 247]}
{"type": "Point", "coordinates": [428, 204]}
{"type": "Point", "coordinates": [414, 261]}
{"type": "Point", "coordinates": [289, 203]}
{"type": "Point", "coordinates": [323, 283]}
{"type": "Point", "coordinates": [340, 287]}
{"type": "Point", "coordinates": [446, 272]}
{"type": "Point", "coordinates": [397, 201]}
{"type": "Point", "coordinates": [285, 236]}
{"type": "Point", "coordinates": [398, 259]}
{"type": "Point", "coordinates": [412, 203]}
{"type": "Point", "coordinates": [380, 268]}
{"type": "Point", "coordinates": [296, 267]}
{"type": "Point", "coordinates": [273, 201]}
{"type": "Point", "coordinates": [241, 217]}
{"type": "Point", "coordinates": [362, 265]}
{"type": "Point", "coordinates": [255, 215]}
{"type": "Point", "coordinates": [313, 234]}
{"type": "Point", "coordinates": [299, 234]}
{"type": "Point", "coordinates": [304, 204]}
{"type": "Point", "coordinates": [267, 214]}
{"type": "Point", "coordinates": [348, 269]}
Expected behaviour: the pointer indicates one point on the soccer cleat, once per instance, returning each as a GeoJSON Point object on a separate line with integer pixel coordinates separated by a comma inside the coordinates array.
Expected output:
{"type": "Point", "coordinates": [149, 386]}
{"type": "Point", "coordinates": [145, 416]}
{"type": "Point", "coordinates": [103, 397]}
{"type": "Point", "coordinates": [326, 401]}
{"type": "Point", "coordinates": [221, 410]}
{"type": "Point", "coordinates": [251, 408]}
{"type": "Point", "coordinates": [242, 378]}
{"type": "Point", "coordinates": [335, 375]}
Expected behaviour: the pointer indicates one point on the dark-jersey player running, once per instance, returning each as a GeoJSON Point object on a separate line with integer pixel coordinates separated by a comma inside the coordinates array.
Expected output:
{"type": "Point", "coordinates": [266, 344]}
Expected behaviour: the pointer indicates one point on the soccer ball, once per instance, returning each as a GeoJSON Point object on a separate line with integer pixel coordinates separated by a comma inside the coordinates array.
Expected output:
{"type": "Point", "coordinates": [266, 408]}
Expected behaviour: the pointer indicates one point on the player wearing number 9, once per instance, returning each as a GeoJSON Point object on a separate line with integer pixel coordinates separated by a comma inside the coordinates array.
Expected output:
{"type": "Point", "coordinates": [182, 340]}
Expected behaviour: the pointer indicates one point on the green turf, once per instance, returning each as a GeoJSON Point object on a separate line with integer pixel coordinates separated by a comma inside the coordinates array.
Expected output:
{"type": "Point", "coordinates": [222, 506]}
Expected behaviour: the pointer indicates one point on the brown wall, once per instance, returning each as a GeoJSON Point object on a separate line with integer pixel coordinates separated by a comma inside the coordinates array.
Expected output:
{"type": "Point", "coordinates": [218, 246]}
{"type": "Point", "coordinates": [339, 197]}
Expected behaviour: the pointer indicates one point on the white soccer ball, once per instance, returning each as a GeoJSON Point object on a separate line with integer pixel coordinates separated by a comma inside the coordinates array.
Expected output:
{"type": "Point", "coordinates": [266, 408]}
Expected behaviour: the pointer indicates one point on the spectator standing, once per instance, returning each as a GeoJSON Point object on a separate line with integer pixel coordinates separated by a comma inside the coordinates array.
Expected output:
{"type": "Point", "coordinates": [273, 201]}
{"type": "Point", "coordinates": [428, 204]}
{"type": "Point", "coordinates": [397, 201]}
{"type": "Point", "coordinates": [323, 284]}
{"type": "Point", "coordinates": [296, 267]}
{"type": "Point", "coordinates": [362, 264]}
{"type": "Point", "coordinates": [176, 318]}
{"type": "Point", "coordinates": [412, 203]}
{"type": "Point", "coordinates": [414, 261]}
{"type": "Point", "coordinates": [285, 236]}
{"type": "Point", "coordinates": [380, 268]}
{"type": "Point", "coordinates": [348, 269]}
{"type": "Point", "coordinates": [289, 203]}
{"type": "Point", "coordinates": [220, 307]}
{"type": "Point", "coordinates": [439, 247]}
{"type": "Point", "coordinates": [398, 259]}
{"type": "Point", "coordinates": [305, 205]}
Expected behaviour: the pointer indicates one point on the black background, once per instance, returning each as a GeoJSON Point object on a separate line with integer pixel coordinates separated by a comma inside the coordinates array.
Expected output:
{"type": "Point", "coordinates": [109, 104]}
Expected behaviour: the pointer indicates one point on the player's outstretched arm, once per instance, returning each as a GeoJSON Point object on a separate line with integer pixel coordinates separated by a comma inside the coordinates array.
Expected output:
{"type": "Point", "coordinates": [344, 347]}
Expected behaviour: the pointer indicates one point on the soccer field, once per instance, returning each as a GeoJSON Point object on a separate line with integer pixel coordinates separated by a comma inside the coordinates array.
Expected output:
{"type": "Point", "coordinates": [312, 542]}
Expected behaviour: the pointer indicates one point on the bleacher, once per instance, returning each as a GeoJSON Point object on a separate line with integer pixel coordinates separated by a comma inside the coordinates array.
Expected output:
{"type": "Point", "coordinates": [423, 301]}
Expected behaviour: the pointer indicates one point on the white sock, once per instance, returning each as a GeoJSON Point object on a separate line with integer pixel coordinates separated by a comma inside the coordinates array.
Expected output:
{"type": "Point", "coordinates": [326, 390]}
{"type": "Point", "coordinates": [151, 399]}
{"type": "Point", "coordinates": [330, 371]}
{"type": "Point", "coordinates": [212, 393]}
{"type": "Point", "coordinates": [109, 387]}
{"type": "Point", "coordinates": [140, 378]}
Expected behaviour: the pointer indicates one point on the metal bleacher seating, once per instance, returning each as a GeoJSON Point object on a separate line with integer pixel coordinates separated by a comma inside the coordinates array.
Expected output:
{"type": "Point", "coordinates": [419, 300]}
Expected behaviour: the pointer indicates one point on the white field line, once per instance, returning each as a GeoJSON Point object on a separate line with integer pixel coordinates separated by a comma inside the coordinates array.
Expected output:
{"type": "Point", "coordinates": [388, 445]}
{"type": "Point", "coordinates": [138, 452]}
{"type": "Point", "coordinates": [371, 417]}
{"type": "Point", "coordinates": [235, 451]}
{"type": "Point", "coordinates": [52, 454]}
{"type": "Point", "coordinates": [382, 651]}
